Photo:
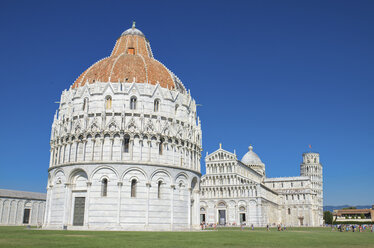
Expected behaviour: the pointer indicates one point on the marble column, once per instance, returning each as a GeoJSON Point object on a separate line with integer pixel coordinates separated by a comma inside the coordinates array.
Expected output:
{"type": "Point", "coordinates": [119, 184]}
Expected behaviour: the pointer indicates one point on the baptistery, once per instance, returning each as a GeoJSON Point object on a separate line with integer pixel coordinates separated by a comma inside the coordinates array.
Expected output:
{"type": "Point", "coordinates": [125, 146]}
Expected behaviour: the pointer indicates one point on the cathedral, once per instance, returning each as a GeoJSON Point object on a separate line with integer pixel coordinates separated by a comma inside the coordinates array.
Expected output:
{"type": "Point", "coordinates": [237, 192]}
{"type": "Point", "coordinates": [126, 145]}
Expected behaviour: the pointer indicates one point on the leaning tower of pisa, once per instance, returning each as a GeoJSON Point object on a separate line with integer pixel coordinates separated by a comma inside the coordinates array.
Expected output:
{"type": "Point", "coordinates": [312, 168]}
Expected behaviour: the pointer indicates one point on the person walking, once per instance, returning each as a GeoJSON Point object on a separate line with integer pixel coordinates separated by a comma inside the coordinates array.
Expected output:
{"type": "Point", "coordinates": [253, 228]}
{"type": "Point", "coordinates": [267, 227]}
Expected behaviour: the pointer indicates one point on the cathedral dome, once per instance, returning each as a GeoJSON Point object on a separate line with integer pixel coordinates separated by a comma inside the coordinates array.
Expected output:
{"type": "Point", "coordinates": [130, 61]}
{"type": "Point", "coordinates": [251, 158]}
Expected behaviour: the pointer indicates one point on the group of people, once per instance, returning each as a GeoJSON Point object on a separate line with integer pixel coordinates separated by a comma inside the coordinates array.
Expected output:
{"type": "Point", "coordinates": [353, 228]}
{"type": "Point", "coordinates": [281, 227]}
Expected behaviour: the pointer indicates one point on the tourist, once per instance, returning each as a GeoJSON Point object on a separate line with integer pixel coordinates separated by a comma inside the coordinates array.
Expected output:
{"type": "Point", "coordinates": [253, 228]}
{"type": "Point", "coordinates": [267, 227]}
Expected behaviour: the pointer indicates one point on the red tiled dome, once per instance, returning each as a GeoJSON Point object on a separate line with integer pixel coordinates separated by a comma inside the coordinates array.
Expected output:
{"type": "Point", "coordinates": [130, 59]}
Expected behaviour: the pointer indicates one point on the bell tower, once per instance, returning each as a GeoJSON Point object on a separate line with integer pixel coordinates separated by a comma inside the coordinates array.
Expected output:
{"type": "Point", "coordinates": [312, 168]}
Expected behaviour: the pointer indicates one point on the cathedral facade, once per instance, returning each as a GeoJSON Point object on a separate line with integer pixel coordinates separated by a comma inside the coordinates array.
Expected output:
{"type": "Point", "coordinates": [125, 146]}
{"type": "Point", "coordinates": [237, 192]}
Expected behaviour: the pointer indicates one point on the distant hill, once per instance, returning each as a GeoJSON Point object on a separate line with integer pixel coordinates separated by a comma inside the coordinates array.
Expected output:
{"type": "Point", "coordinates": [331, 208]}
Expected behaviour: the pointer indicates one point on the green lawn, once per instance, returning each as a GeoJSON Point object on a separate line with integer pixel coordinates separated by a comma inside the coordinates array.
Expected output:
{"type": "Point", "coordinates": [225, 237]}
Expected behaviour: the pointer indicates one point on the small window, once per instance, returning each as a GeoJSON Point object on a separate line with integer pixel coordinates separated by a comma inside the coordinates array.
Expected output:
{"type": "Point", "coordinates": [176, 108]}
{"type": "Point", "coordinates": [156, 106]}
{"type": "Point", "coordinates": [291, 184]}
{"type": "Point", "coordinates": [131, 51]}
{"type": "Point", "coordinates": [85, 104]}
{"type": "Point", "coordinates": [108, 102]}
{"type": "Point", "coordinates": [160, 147]}
{"type": "Point", "coordinates": [104, 187]}
{"type": "Point", "coordinates": [159, 189]}
{"type": "Point", "coordinates": [133, 188]}
{"type": "Point", "coordinates": [133, 102]}
{"type": "Point", "coordinates": [273, 185]}
{"type": "Point", "coordinates": [282, 185]}
{"type": "Point", "coordinates": [126, 145]}
{"type": "Point", "coordinates": [289, 211]}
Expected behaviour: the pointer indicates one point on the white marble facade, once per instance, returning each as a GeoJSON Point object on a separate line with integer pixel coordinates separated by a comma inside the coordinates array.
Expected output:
{"type": "Point", "coordinates": [21, 208]}
{"type": "Point", "coordinates": [235, 192]}
{"type": "Point", "coordinates": [125, 156]}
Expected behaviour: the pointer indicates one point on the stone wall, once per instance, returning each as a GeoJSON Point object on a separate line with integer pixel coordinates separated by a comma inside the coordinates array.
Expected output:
{"type": "Point", "coordinates": [12, 211]}
{"type": "Point", "coordinates": [174, 208]}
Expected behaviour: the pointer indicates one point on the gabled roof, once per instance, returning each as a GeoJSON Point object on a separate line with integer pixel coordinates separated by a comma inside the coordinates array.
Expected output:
{"type": "Point", "coordinates": [22, 194]}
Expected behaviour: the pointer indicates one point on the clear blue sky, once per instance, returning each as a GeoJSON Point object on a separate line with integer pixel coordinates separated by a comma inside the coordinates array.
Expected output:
{"type": "Point", "coordinates": [276, 74]}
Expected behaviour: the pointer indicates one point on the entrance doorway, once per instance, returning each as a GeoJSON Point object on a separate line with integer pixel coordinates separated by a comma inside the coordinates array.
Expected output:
{"type": "Point", "coordinates": [222, 217]}
{"type": "Point", "coordinates": [301, 219]}
{"type": "Point", "coordinates": [242, 218]}
{"type": "Point", "coordinates": [202, 218]}
{"type": "Point", "coordinates": [79, 204]}
{"type": "Point", "coordinates": [26, 216]}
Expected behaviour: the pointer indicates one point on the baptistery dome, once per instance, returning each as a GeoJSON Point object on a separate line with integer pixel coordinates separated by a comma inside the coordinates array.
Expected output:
{"type": "Point", "coordinates": [130, 61]}
{"type": "Point", "coordinates": [125, 146]}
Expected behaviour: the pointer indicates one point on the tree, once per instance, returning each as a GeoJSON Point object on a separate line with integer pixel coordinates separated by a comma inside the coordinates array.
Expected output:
{"type": "Point", "coordinates": [362, 216]}
{"type": "Point", "coordinates": [327, 217]}
{"type": "Point", "coordinates": [350, 208]}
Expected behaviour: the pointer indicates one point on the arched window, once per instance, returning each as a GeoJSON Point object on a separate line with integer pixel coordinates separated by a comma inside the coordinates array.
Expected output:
{"type": "Point", "coordinates": [156, 106]}
{"type": "Point", "coordinates": [133, 188]}
{"type": "Point", "coordinates": [108, 102]}
{"type": "Point", "coordinates": [85, 104]}
{"type": "Point", "coordinates": [104, 187]}
{"type": "Point", "coordinates": [133, 102]}
{"type": "Point", "coordinates": [126, 144]}
{"type": "Point", "coordinates": [160, 146]}
{"type": "Point", "coordinates": [176, 108]}
{"type": "Point", "coordinates": [289, 211]}
{"type": "Point", "coordinates": [159, 189]}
